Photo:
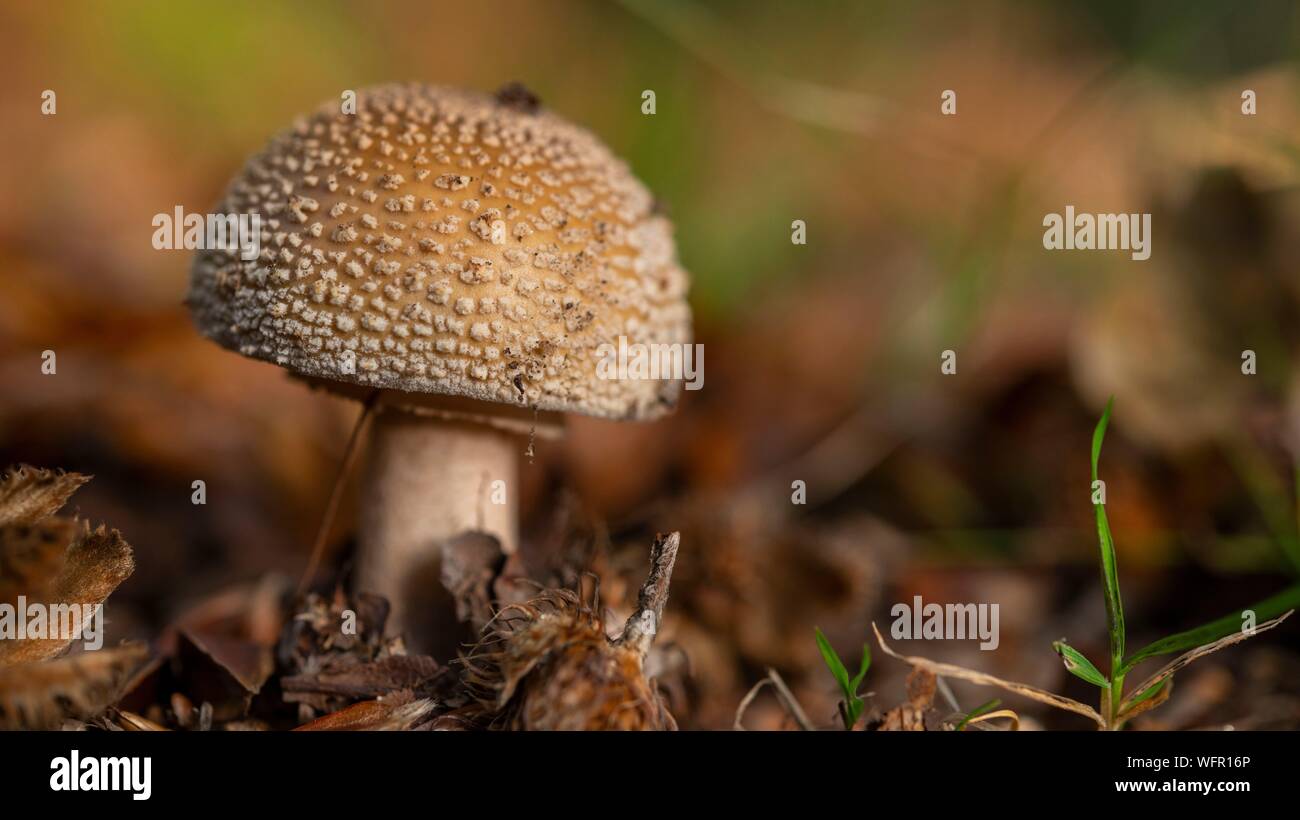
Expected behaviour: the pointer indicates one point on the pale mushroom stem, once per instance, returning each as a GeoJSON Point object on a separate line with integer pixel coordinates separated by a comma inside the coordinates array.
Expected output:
{"type": "Point", "coordinates": [427, 481]}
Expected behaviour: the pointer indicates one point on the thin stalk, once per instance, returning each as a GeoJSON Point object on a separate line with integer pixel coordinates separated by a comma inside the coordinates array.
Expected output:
{"type": "Point", "coordinates": [1114, 611]}
{"type": "Point", "coordinates": [1115, 696]}
{"type": "Point", "coordinates": [336, 494]}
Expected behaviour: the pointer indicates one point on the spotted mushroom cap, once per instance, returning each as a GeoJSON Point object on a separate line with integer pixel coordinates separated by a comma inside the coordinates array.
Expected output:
{"type": "Point", "coordinates": [445, 242]}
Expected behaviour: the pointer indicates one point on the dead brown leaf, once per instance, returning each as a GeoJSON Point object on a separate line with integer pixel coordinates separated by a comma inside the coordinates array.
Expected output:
{"type": "Point", "coordinates": [29, 495]}
{"type": "Point", "coordinates": [52, 561]}
{"type": "Point", "coordinates": [397, 714]}
{"type": "Point", "coordinates": [350, 678]}
{"type": "Point", "coordinates": [131, 722]}
{"type": "Point", "coordinates": [42, 695]}
{"type": "Point", "coordinates": [910, 716]}
{"type": "Point", "coordinates": [469, 565]}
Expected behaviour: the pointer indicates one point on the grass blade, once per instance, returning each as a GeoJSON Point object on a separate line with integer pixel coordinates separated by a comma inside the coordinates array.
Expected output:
{"type": "Point", "coordinates": [1109, 567]}
{"type": "Point", "coordinates": [851, 707]}
{"type": "Point", "coordinates": [1146, 700]}
{"type": "Point", "coordinates": [834, 663]}
{"type": "Point", "coordinates": [982, 709]}
{"type": "Point", "coordinates": [948, 670]}
{"type": "Point", "coordinates": [1201, 651]}
{"type": "Point", "coordinates": [1266, 610]}
{"type": "Point", "coordinates": [1078, 665]}
{"type": "Point", "coordinates": [1143, 695]}
{"type": "Point", "coordinates": [863, 666]}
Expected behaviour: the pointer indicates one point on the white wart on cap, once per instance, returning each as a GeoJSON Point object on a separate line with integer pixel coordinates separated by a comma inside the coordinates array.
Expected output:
{"type": "Point", "coordinates": [451, 243]}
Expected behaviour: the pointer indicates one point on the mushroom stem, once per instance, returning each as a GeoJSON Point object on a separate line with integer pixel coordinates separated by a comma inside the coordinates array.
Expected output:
{"type": "Point", "coordinates": [426, 482]}
{"type": "Point", "coordinates": [640, 630]}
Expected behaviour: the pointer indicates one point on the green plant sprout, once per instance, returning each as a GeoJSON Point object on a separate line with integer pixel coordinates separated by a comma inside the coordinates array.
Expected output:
{"type": "Point", "coordinates": [1117, 707]}
{"type": "Point", "coordinates": [852, 705]}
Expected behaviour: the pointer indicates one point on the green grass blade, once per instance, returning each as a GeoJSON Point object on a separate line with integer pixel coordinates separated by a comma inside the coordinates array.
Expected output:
{"type": "Point", "coordinates": [1149, 692]}
{"type": "Point", "coordinates": [1109, 567]}
{"type": "Point", "coordinates": [1079, 665]}
{"type": "Point", "coordinates": [863, 666]}
{"type": "Point", "coordinates": [1265, 610]}
{"type": "Point", "coordinates": [982, 709]}
{"type": "Point", "coordinates": [835, 664]}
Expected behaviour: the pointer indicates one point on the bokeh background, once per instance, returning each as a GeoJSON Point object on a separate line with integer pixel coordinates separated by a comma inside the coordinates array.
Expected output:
{"type": "Point", "coordinates": [821, 360]}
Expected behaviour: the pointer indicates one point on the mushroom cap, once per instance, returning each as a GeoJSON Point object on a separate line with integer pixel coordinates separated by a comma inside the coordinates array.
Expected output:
{"type": "Point", "coordinates": [446, 242]}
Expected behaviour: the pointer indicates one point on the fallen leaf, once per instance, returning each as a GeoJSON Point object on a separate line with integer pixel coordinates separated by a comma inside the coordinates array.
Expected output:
{"type": "Point", "coordinates": [131, 722]}
{"type": "Point", "coordinates": [51, 562]}
{"type": "Point", "coordinates": [350, 678]}
{"type": "Point", "coordinates": [42, 695]}
{"type": "Point", "coordinates": [248, 663]}
{"type": "Point", "coordinates": [910, 716]}
{"type": "Point", "coordinates": [372, 716]}
{"type": "Point", "coordinates": [469, 564]}
{"type": "Point", "coordinates": [29, 495]}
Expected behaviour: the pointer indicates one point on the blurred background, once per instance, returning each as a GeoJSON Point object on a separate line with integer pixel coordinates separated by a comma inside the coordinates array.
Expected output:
{"type": "Point", "coordinates": [822, 360]}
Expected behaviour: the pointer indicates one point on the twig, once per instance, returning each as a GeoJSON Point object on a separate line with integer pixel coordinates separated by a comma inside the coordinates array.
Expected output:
{"type": "Point", "coordinates": [784, 695]}
{"type": "Point", "coordinates": [738, 723]}
{"type": "Point", "coordinates": [336, 493]}
{"type": "Point", "coordinates": [643, 625]}
{"type": "Point", "coordinates": [946, 691]}
{"type": "Point", "coordinates": [791, 703]}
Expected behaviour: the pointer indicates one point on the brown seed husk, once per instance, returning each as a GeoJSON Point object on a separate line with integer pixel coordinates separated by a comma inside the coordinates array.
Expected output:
{"type": "Point", "coordinates": [77, 687]}
{"type": "Point", "coordinates": [53, 561]}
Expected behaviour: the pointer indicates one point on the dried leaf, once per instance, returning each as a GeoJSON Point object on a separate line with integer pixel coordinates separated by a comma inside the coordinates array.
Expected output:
{"type": "Point", "coordinates": [999, 714]}
{"type": "Point", "coordinates": [94, 564]}
{"type": "Point", "coordinates": [43, 695]}
{"type": "Point", "coordinates": [247, 725]}
{"type": "Point", "coordinates": [97, 561]}
{"type": "Point", "coordinates": [247, 663]}
{"type": "Point", "coordinates": [549, 664]}
{"type": "Point", "coordinates": [131, 722]}
{"type": "Point", "coordinates": [31, 555]}
{"type": "Point", "coordinates": [469, 564]}
{"type": "Point", "coordinates": [316, 631]}
{"type": "Point", "coordinates": [910, 716]}
{"type": "Point", "coordinates": [29, 495]}
{"type": "Point", "coordinates": [372, 716]}
{"type": "Point", "coordinates": [1032, 692]}
{"type": "Point", "coordinates": [323, 666]}
{"type": "Point", "coordinates": [349, 678]}
{"type": "Point", "coordinates": [1131, 709]}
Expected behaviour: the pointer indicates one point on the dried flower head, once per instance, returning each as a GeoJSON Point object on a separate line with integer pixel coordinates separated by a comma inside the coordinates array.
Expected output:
{"type": "Point", "coordinates": [550, 665]}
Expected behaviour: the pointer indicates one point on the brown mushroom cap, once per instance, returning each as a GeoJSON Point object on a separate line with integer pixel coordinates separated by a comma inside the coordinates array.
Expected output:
{"type": "Point", "coordinates": [452, 243]}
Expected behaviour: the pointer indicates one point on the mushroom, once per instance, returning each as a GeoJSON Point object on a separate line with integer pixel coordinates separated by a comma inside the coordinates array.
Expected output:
{"type": "Point", "coordinates": [459, 260]}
